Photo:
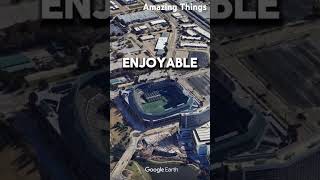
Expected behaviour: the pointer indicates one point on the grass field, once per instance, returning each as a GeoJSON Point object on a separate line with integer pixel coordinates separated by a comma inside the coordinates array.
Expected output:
{"type": "Point", "coordinates": [155, 107]}
{"type": "Point", "coordinates": [172, 97]}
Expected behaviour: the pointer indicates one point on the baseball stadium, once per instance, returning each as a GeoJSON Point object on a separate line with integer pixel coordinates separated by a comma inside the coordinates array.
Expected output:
{"type": "Point", "coordinates": [159, 102]}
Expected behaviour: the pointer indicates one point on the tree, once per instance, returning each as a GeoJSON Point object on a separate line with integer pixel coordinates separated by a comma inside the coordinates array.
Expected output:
{"type": "Point", "coordinates": [118, 150]}
{"type": "Point", "coordinates": [130, 45]}
{"type": "Point", "coordinates": [119, 55]}
{"type": "Point", "coordinates": [113, 39]}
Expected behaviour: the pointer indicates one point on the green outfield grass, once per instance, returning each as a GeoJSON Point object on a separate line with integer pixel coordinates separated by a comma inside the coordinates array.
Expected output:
{"type": "Point", "coordinates": [155, 107]}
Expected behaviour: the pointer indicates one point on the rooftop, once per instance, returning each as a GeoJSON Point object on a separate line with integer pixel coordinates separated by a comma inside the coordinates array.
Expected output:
{"type": "Point", "coordinates": [202, 133]}
{"type": "Point", "coordinates": [138, 16]}
{"type": "Point", "coordinates": [161, 44]}
{"type": "Point", "coordinates": [159, 21]}
{"type": "Point", "coordinates": [202, 32]}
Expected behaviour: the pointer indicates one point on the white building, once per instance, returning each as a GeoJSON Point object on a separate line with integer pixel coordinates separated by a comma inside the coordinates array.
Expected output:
{"type": "Point", "coordinates": [137, 29]}
{"type": "Point", "coordinates": [143, 27]}
{"type": "Point", "coordinates": [201, 138]}
{"type": "Point", "coordinates": [193, 44]}
{"type": "Point", "coordinates": [202, 32]}
{"type": "Point", "coordinates": [161, 44]}
{"type": "Point", "coordinates": [188, 25]}
{"type": "Point", "coordinates": [176, 15]}
{"type": "Point", "coordinates": [135, 17]}
{"type": "Point", "coordinates": [191, 38]}
{"type": "Point", "coordinates": [184, 20]}
{"type": "Point", "coordinates": [191, 32]}
{"type": "Point", "coordinates": [158, 1]}
{"type": "Point", "coordinates": [146, 37]}
{"type": "Point", "coordinates": [113, 6]}
{"type": "Point", "coordinates": [159, 21]}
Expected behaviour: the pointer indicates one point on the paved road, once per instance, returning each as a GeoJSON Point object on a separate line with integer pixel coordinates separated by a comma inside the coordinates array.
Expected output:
{"type": "Point", "coordinates": [116, 173]}
{"type": "Point", "coordinates": [172, 39]}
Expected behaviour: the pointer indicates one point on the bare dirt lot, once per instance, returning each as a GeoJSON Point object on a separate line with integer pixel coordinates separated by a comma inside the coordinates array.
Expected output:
{"type": "Point", "coordinates": [118, 134]}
